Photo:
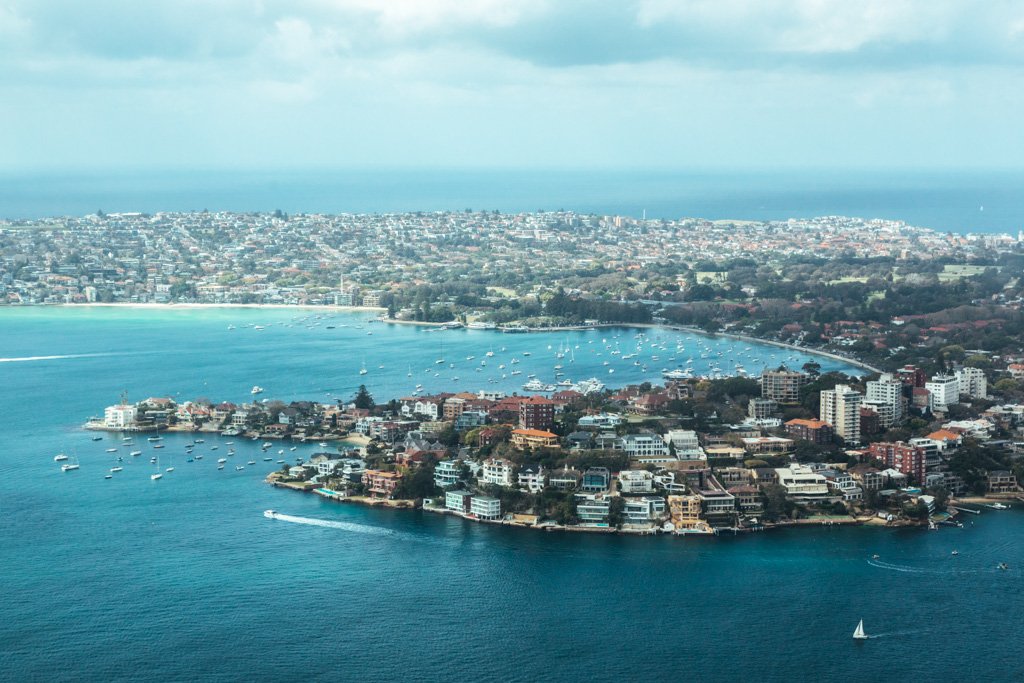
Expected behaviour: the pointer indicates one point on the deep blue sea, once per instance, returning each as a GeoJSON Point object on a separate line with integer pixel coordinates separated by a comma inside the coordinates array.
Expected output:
{"type": "Point", "coordinates": [957, 201]}
{"type": "Point", "coordinates": [130, 579]}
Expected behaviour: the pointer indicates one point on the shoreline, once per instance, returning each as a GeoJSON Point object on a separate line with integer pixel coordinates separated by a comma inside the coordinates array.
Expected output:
{"type": "Point", "coordinates": [509, 520]}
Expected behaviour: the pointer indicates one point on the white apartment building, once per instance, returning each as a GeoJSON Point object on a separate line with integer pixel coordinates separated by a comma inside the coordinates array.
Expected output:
{"type": "Point", "coordinates": [686, 443]}
{"type": "Point", "coordinates": [945, 391]}
{"type": "Point", "coordinates": [887, 390]}
{"type": "Point", "coordinates": [119, 416]}
{"type": "Point", "coordinates": [446, 473]}
{"type": "Point", "coordinates": [840, 407]}
{"type": "Point", "coordinates": [802, 483]}
{"type": "Point", "coordinates": [497, 471]}
{"type": "Point", "coordinates": [972, 382]}
{"type": "Point", "coordinates": [646, 448]}
{"type": "Point", "coordinates": [485, 508]}
{"type": "Point", "coordinates": [636, 481]}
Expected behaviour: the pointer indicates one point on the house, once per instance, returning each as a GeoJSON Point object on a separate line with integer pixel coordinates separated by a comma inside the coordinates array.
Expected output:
{"type": "Point", "coordinates": [459, 501]}
{"type": "Point", "coordinates": [643, 510]}
{"type": "Point", "coordinates": [646, 447]}
{"type": "Point", "coordinates": [636, 481]}
{"type": "Point", "coordinates": [596, 479]}
{"type": "Point", "coordinates": [870, 478]}
{"type": "Point", "coordinates": [599, 421]}
{"type": "Point", "coordinates": [842, 483]}
{"type": "Point", "coordinates": [533, 438]}
{"type": "Point", "coordinates": [531, 478]}
{"type": "Point", "coordinates": [748, 498]}
{"type": "Point", "coordinates": [801, 483]}
{"type": "Point", "coordinates": [497, 471]}
{"type": "Point", "coordinates": [564, 480]}
{"type": "Point", "coordinates": [484, 507]}
{"type": "Point", "coordinates": [685, 512]}
{"type": "Point", "coordinates": [1002, 481]}
{"type": "Point", "coordinates": [593, 511]}
{"type": "Point", "coordinates": [380, 484]}
{"type": "Point", "coordinates": [447, 473]}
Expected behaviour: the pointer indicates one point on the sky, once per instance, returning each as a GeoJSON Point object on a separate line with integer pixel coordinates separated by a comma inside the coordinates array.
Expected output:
{"type": "Point", "coordinates": [661, 84]}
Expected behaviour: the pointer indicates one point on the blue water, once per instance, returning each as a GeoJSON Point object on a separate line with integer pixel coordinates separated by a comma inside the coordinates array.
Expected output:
{"type": "Point", "coordinates": [965, 201]}
{"type": "Point", "coordinates": [183, 578]}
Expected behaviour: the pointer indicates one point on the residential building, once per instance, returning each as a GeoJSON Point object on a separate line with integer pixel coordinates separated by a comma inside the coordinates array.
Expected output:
{"type": "Point", "coordinates": [972, 382]}
{"type": "Point", "coordinates": [767, 444]}
{"type": "Point", "coordinates": [646, 447]}
{"type": "Point", "coordinates": [760, 408]}
{"type": "Point", "coordinates": [782, 386]}
{"type": "Point", "coordinates": [596, 479]}
{"type": "Point", "coordinates": [840, 407]}
{"type": "Point", "coordinates": [533, 438]}
{"type": "Point", "coordinates": [945, 392]}
{"type": "Point", "coordinates": [886, 393]}
{"type": "Point", "coordinates": [565, 480]}
{"type": "Point", "coordinates": [531, 478]}
{"type": "Point", "coordinates": [815, 431]}
{"type": "Point", "coordinates": [1002, 481]}
{"type": "Point", "coordinates": [536, 412]}
{"type": "Point", "coordinates": [484, 507]}
{"type": "Point", "coordinates": [599, 421]}
{"type": "Point", "coordinates": [643, 510]}
{"type": "Point", "coordinates": [447, 473]}
{"type": "Point", "coordinates": [902, 457]}
{"type": "Point", "coordinates": [593, 511]}
{"type": "Point", "coordinates": [801, 483]}
{"type": "Point", "coordinates": [685, 512]}
{"type": "Point", "coordinates": [459, 501]}
{"type": "Point", "coordinates": [381, 484]}
{"type": "Point", "coordinates": [636, 481]}
{"type": "Point", "coordinates": [686, 444]}
{"type": "Point", "coordinates": [120, 416]}
{"type": "Point", "coordinates": [497, 471]}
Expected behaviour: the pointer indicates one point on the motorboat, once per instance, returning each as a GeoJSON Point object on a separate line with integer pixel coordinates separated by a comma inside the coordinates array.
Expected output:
{"type": "Point", "coordinates": [67, 467]}
{"type": "Point", "coordinates": [257, 389]}
{"type": "Point", "coordinates": [60, 457]}
{"type": "Point", "coordinates": [270, 514]}
{"type": "Point", "coordinates": [116, 469]}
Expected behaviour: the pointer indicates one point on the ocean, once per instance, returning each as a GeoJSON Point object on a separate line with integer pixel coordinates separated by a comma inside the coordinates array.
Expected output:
{"type": "Point", "coordinates": [130, 579]}
{"type": "Point", "coordinates": [960, 201]}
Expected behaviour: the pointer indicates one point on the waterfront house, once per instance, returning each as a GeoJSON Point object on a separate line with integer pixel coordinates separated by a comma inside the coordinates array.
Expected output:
{"type": "Point", "coordinates": [802, 484]}
{"type": "Point", "coordinates": [484, 507]}
{"type": "Point", "coordinates": [643, 510]}
{"type": "Point", "coordinates": [592, 510]}
{"type": "Point", "coordinates": [685, 512]}
{"type": "Point", "coordinates": [380, 484]}
{"type": "Point", "coordinates": [747, 498]}
{"type": "Point", "coordinates": [119, 417]}
{"type": "Point", "coordinates": [1002, 481]}
{"type": "Point", "coordinates": [459, 501]}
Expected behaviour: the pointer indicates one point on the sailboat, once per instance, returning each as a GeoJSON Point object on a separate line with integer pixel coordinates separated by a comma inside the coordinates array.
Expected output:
{"type": "Point", "coordinates": [858, 633]}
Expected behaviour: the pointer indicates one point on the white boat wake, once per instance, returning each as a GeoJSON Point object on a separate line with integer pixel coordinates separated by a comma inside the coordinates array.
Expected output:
{"type": "Point", "coordinates": [925, 570]}
{"type": "Point", "coordinates": [345, 526]}
{"type": "Point", "coordinates": [27, 359]}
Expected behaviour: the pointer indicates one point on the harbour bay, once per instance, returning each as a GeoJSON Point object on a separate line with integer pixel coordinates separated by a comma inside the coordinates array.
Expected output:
{"type": "Point", "coordinates": [140, 580]}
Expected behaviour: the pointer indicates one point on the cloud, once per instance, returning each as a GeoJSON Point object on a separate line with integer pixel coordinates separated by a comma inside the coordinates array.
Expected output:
{"type": "Point", "coordinates": [506, 81]}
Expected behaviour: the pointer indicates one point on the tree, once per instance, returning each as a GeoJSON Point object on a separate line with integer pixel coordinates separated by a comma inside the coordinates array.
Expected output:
{"type": "Point", "coordinates": [363, 400]}
{"type": "Point", "coordinates": [775, 504]}
{"type": "Point", "coordinates": [615, 511]}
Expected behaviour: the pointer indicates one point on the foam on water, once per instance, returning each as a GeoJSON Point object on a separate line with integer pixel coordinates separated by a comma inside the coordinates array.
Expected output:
{"type": "Point", "coordinates": [331, 524]}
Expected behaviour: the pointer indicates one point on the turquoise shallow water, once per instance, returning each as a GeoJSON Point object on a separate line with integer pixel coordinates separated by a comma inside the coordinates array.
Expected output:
{"type": "Point", "coordinates": [183, 578]}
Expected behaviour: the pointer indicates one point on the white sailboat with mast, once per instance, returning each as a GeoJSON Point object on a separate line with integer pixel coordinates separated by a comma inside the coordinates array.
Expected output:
{"type": "Point", "coordinates": [858, 633]}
